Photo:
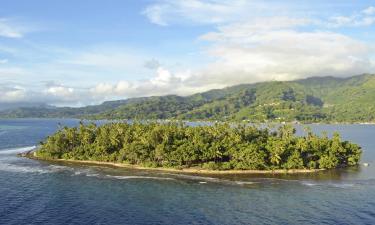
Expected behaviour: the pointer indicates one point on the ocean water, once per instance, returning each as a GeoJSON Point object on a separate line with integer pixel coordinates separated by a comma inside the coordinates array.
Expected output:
{"type": "Point", "coordinates": [35, 192]}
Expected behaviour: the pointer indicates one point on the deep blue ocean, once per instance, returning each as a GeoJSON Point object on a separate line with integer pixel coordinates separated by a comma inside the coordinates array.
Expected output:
{"type": "Point", "coordinates": [35, 192]}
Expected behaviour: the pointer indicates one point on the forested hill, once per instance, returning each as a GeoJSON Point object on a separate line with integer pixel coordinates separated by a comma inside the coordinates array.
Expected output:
{"type": "Point", "coordinates": [316, 99]}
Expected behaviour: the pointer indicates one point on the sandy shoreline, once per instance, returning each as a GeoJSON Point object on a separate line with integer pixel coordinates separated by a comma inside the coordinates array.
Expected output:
{"type": "Point", "coordinates": [184, 170]}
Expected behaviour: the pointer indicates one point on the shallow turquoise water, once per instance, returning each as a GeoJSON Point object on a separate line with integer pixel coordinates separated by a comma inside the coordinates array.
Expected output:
{"type": "Point", "coordinates": [34, 192]}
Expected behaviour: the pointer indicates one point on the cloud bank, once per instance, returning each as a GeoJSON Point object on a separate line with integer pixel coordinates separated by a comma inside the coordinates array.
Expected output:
{"type": "Point", "coordinates": [246, 42]}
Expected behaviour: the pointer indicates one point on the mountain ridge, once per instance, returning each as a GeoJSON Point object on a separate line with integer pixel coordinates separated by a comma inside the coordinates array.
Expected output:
{"type": "Point", "coordinates": [314, 99]}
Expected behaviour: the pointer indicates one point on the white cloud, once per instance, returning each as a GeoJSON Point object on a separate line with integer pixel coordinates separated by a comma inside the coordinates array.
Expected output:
{"type": "Point", "coordinates": [253, 55]}
{"type": "Point", "coordinates": [244, 31]}
{"type": "Point", "coordinates": [50, 93]}
{"type": "Point", "coordinates": [247, 47]}
{"type": "Point", "coordinates": [163, 82]}
{"type": "Point", "coordinates": [10, 28]}
{"type": "Point", "coordinates": [351, 21]}
{"type": "Point", "coordinates": [11, 71]}
{"type": "Point", "coordinates": [249, 41]}
{"type": "Point", "coordinates": [364, 18]}
{"type": "Point", "coordinates": [200, 12]}
{"type": "Point", "coordinates": [369, 11]}
{"type": "Point", "coordinates": [170, 12]}
{"type": "Point", "coordinates": [3, 61]}
{"type": "Point", "coordinates": [103, 89]}
{"type": "Point", "coordinates": [60, 91]}
{"type": "Point", "coordinates": [122, 87]}
{"type": "Point", "coordinates": [12, 94]}
{"type": "Point", "coordinates": [155, 14]}
{"type": "Point", "coordinates": [164, 77]}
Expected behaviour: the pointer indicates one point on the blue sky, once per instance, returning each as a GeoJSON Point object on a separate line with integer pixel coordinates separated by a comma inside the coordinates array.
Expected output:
{"type": "Point", "coordinates": [85, 52]}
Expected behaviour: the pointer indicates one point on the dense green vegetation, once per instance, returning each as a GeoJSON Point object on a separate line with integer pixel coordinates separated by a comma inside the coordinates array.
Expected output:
{"type": "Point", "coordinates": [220, 146]}
{"type": "Point", "coordinates": [318, 99]}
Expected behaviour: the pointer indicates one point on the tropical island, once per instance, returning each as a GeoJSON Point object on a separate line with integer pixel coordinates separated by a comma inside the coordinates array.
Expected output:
{"type": "Point", "coordinates": [216, 147]}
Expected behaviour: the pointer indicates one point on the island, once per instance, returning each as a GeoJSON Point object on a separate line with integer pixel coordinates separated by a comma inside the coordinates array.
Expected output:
{"type": "Point", "coordinates": [218, 147]}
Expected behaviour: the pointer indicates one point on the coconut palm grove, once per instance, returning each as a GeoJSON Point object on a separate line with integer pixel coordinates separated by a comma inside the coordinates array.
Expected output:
{"type": "Point", "coordinates": [220, 146]}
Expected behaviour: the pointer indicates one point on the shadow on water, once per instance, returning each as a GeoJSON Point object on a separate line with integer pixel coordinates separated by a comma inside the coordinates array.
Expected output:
{"type": "Point", "coordinates": [334, 174]}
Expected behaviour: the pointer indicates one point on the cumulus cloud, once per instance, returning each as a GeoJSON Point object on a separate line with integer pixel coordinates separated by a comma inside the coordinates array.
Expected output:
{"type": "Point", "coordinates": [51, 93]}
{"type": "Point", "coordinates": [253, 54]}
{"type": "Point", "coordinates": [60, 91]}
{"type": "Point", "coordinates": [246, 42]}
{"type": "Point", "coordinates": [249, 48]}
{"type": "Point", "coordinates": [12, 94]}
{"type": "Point", "coordinates": [163, 82]}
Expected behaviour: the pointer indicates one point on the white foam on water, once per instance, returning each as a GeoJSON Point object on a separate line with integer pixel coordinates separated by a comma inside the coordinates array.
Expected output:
{"type": "Point", "coordinates": [22, 169]}
{"type": "Point", "coordinates": [308, 183]}
{"type": "Point", "coordinates": [139, 177]}
{"type": "Point", "coordinates": [11, 167]}
{"type": "Point", "coordinates": [342, 185]}
{"type": "Point", "coordinates": [328, 184]}
{"type": "Point", "coordinates": [84, 172]}
{"type": "Point", "coordinates": [192, 177]}
{"type": "Point", "coordinates": [204, 180]}
{"type": "Point", "coordinates": [245, 182]}
{"type": "Point", "coordinates": [9, 164]}
{"type": "Point", "coordinates": [92, 175]}
{"type": "Point", "coordinates": [58, 168]}
{"type": "Point", "coordinates": [16, 150]}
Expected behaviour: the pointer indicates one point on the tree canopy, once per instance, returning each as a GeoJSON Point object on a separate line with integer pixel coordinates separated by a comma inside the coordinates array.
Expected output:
{"type": "Point", "coordinates": [220, 146]}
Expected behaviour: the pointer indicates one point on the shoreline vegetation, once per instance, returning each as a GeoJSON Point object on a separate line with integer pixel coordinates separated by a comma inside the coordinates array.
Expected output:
{"type": "Point", "coordinates": [196, 170]}
{"type": "Point", "coordinates": [216, 148]}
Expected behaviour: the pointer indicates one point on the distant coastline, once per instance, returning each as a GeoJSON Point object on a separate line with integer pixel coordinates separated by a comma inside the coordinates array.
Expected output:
{"type": "Point", "coordinates": [195, 121]}
{"type": "Point", "coordinates": [312, 100]}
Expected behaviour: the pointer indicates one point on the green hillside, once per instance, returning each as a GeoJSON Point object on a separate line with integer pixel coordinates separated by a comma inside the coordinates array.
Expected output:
{"type": "Point", "coordinates": [316, 99]}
